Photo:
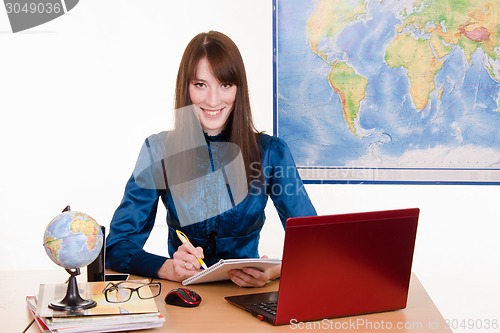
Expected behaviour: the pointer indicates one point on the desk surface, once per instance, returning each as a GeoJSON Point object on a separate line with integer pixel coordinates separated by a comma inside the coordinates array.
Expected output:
{"type": "Point", "coordinates": [216, 315]}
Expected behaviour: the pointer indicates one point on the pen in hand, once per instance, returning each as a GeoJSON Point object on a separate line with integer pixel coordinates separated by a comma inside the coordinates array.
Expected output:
{"type": "Point", "coordinates": [184, 239]}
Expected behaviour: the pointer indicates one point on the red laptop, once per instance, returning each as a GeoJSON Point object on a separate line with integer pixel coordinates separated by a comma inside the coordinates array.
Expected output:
{"type": "Point", "coordinates": [340, 265]}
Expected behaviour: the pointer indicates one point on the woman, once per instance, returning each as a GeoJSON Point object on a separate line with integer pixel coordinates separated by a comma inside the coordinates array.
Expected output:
{"type": "Point", "coordinates": [212, 81]}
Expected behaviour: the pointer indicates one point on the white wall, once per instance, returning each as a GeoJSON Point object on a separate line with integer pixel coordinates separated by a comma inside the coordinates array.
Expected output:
{"type": "Point", "coordinates": [79, 94]}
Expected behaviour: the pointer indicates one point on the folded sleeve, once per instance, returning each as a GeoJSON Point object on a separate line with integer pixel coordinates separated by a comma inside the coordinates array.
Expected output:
{"type": "Point", "coordinates": [286, 188]}
{"type": "Point", "coordinates": [130, 227]}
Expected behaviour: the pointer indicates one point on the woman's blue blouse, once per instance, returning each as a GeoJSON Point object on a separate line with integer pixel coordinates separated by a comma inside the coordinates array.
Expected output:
{"type": "Point", "coordinates": [232, 234]}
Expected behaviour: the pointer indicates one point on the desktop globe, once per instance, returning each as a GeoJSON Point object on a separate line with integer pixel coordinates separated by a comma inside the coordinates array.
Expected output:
{"type": "Point", "coordinates": [73, 240]}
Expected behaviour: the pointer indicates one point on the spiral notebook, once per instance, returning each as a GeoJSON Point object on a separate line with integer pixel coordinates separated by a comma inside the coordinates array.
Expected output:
{"type": "Point", "coordinates": [218, 271]}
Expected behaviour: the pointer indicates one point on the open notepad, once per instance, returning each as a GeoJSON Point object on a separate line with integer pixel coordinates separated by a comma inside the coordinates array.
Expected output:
{"type": "Point", "coordinates": [218, 271]}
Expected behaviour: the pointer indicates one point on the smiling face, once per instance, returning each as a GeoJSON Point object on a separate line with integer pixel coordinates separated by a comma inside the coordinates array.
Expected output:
{"type": "Point", "coordinates": [213, 100]}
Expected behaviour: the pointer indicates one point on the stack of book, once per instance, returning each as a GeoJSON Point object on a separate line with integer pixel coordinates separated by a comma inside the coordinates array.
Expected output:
{"type": "Point", "coordinates": [134, 314]}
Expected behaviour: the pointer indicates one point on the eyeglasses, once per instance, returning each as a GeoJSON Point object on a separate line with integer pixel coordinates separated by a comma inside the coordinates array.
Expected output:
{"type": "Point", "coordinates": [122, 291]}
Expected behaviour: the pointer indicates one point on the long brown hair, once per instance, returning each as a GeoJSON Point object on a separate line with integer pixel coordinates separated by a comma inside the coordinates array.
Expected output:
{"type": "Point", "coordinates": [227, 65]}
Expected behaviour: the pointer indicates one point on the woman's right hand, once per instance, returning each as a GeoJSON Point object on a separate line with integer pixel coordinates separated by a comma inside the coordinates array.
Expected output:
{"type": "Point", "coordinates": [183, 264]}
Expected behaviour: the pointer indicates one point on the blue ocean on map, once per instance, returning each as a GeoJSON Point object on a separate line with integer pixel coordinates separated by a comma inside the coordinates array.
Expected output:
{"type": "Point", "coordinates": [462, 124]}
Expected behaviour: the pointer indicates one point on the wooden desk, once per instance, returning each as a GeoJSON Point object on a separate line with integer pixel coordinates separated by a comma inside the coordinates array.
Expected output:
{"type": "Point", "coordinates": [216, 315]}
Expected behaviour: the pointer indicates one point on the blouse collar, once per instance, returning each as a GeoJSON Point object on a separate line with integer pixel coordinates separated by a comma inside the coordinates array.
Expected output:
{"type": "Point", "coordinates": [222, 136]}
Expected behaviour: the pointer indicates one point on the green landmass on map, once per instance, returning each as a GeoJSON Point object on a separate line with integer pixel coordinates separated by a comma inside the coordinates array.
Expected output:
{"type": "Point", "coordinates": [429, 32]}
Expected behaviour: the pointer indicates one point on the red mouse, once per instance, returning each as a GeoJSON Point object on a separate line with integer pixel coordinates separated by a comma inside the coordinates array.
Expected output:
{"type": "Point", "coordinates": [183, 297]}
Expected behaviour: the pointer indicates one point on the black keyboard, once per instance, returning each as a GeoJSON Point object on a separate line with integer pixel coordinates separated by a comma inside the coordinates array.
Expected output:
{"type": "Point", "coordinates": [269, 307]}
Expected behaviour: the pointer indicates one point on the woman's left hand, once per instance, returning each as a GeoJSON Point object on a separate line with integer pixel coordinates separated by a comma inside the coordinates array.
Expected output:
{"type": "Point", "coordinates": [251, 277]}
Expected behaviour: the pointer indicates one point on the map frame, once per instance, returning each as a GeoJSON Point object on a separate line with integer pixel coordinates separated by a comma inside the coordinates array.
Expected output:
{"type": "Point", "coordinates": [321, 174]}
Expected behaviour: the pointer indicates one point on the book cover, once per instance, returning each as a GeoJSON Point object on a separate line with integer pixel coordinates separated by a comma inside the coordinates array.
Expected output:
{"type": "Point", "coordinates": [49, 293]}
{"type": "Point", "coordinates": [109, 323]}
{"type": "Point", "coordinates": [40, 322]}
{"type": "Point", "coordinates": [218, 271]}
{"type": "Point", "coordinates": [105, 317]}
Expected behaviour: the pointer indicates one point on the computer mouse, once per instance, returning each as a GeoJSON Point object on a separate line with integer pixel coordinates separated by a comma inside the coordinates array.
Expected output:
{"type": "Point", "coordinates": [183, 297]}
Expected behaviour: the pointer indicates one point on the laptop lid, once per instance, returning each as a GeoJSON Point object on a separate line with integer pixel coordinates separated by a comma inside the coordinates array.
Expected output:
{"type": "Point", "coordinates": [346, 264]}
{"type": "Point", "coordinates": [340, 265]}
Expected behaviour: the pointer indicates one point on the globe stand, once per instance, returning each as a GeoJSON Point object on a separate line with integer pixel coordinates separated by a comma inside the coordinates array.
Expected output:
{"type": "Point", "coordinates": [73, 301]}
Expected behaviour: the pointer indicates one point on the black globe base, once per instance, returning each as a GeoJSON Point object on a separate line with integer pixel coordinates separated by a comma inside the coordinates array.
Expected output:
{"type": "Point", "coordinates": [73, 301]}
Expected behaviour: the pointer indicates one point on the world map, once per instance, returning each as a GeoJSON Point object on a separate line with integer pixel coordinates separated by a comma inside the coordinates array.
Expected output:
{"type": "Point", "coordinates": [390, 85]}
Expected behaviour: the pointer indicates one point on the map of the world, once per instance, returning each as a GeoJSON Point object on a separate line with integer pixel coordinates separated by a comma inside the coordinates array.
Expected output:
{"type": "Point", "coordinates": [390, 89]}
